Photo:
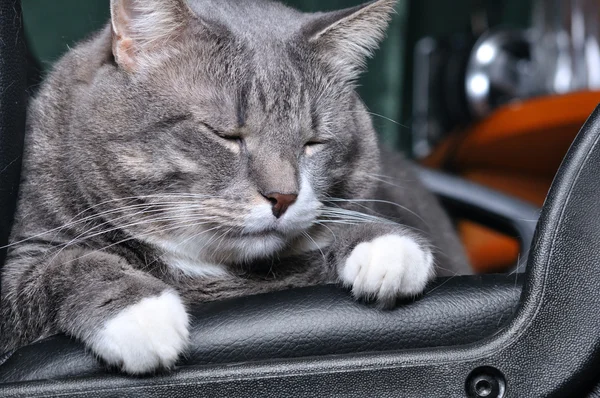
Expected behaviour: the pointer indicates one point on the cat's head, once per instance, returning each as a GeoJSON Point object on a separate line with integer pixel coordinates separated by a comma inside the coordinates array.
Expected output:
{"type": "Point", "coordinates": [237, 119]}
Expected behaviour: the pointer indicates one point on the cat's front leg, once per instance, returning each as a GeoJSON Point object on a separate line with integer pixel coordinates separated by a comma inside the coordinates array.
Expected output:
{"type": "Point", "coordinates": [128, 318]}
{"type": "Point", "coordinates": [382, 262]}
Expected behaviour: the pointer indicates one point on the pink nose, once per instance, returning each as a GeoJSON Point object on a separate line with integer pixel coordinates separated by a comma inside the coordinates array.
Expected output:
{"type": "Point", "coordinates": [281, 202]}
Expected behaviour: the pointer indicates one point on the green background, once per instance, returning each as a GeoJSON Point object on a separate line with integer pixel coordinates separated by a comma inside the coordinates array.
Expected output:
{"type": "Point", "coordinates": [52, 26]}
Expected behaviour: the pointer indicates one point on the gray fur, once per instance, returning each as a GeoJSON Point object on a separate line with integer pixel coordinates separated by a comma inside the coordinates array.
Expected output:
{"type": "Point", "coordinates": [103, 142]}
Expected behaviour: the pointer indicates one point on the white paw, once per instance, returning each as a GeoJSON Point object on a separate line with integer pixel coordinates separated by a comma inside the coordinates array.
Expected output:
{"type": "Point", "coordinates": [388, 267]}
{"type": "Point", "coordinates": [146, 336]}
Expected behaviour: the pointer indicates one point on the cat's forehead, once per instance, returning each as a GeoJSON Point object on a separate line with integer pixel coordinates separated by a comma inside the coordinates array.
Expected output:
{"type": "Point", "coordinates": [259, 102]}
{"type": "Point", "coordinates": [251, 19]}
{"type": "Point", "coordinates": [253, 89]}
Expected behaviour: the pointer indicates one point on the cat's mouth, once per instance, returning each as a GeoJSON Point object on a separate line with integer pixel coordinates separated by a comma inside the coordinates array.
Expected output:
{"type": "Point", "coordinates": [258, 234]}
{"type": "Point", "coordinates": [271, 232]}
{"type": "Point", "coordinates": [268, 233]}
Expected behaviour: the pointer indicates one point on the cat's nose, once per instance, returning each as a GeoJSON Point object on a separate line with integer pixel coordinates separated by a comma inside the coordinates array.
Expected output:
{"type": "Point", "coordinates": [280, 202]}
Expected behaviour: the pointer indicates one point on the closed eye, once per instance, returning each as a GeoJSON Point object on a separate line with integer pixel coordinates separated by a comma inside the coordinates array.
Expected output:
{"type": "Point", "coordinates": [228, 137]}
{"type": "Point", "coordinates": [313, 143]}
{"type": "Point", "coordinates": [312, 146]}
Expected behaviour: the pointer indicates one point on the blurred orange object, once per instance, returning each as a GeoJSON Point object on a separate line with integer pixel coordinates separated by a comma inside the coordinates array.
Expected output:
{"type": "Point", "coordinates": [517, 150]}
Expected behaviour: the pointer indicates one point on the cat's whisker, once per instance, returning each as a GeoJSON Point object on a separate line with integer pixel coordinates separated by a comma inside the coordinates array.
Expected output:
{"type": "Point", "coordinates": [442, 284]}
{"type": "Point", "coordinates": [393, 178]}
{"type": "Point", "coordinates": [381, 176]}
{"type": "Point", "coordinates": [305, 234]}
{"type": "Point", "coordinates": [72, 223]}
{"type": "Point", "coordinates": [231, 253]}
{"type": "Point", "coordinates": [346, 217]}
{"type": "Point", "coordinates": [144, 210]}
{"type": "Point", "coordinates": [356, 217]}
{"type": "Point", "coordinates": [222, 238]}
{"type": "Point", "coordinates": [446, 269]}
{"type": "Point", "coordinates": [389, 120]}
{"type": "Point", "coordinates": [377, 201]}
{"type": "Point", "coordinates": [385, 219]}
{"type": "Point", "coordinates": [113, 221]}
{"type": "Point", "coordinates": [176, 224]}
{"type": "Point", "coordinates": [339, 222]}
{"type": "Point", "coordinates": [353, 215]}
{"type": "Point", "coordinates": [206, 244]}
{"type": "Point", "coordinates": [195, 236]}
{"type": "Point", "coordinates": [139, 197]}
{"type": "Point", "coordinates": [183, 242]}
{"type": "Point", "coordinates": [57, 229]}
{"type": "Point", "coordinates": [334, 218]}
{"type": "Point", "coordinates": [152, 208]}
{"type": "Point", "coordinates": [379, 116]}
{"type": "Point", "coordinates": [218, 239]}
{"type": "Point", "coordinates": [329, 229]}
{"type": "Point", "coordinates": [341, 217]}
{"type": "Point", "coordinates": [337, 206]}
{"type": "Point", "coordinates": [83, 237]}
{"type": "Point", "coordinates": [138, 223]}
{"type": "Point", "coordinates": [109, 246]}
{"type": "Point", "coordinates": [379, 179]}
{"type": "Point", "coordinates": [348, 212]}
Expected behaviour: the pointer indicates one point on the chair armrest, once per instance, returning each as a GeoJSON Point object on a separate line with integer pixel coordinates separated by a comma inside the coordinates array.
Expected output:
{"type": "Point", "coordinates": [315, 321]}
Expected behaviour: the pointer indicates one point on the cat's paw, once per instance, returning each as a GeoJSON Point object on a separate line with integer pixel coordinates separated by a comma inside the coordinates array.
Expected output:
{"type": "Point", "coordinates": [386, 268]}
{"type": "Point", "coordinates": [146, 336]}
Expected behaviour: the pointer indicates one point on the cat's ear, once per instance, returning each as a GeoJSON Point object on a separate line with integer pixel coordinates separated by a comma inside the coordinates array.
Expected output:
{"type": "Point", "coordinates": [346, 38]}
{"type": "Point", "coordinates": [141, 27]}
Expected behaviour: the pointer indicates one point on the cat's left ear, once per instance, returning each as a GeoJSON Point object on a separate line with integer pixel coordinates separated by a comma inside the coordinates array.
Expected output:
{"type": "Point", "coordinates": [142, 28]}
{"type": "Point", "coordinates": [346, 38]}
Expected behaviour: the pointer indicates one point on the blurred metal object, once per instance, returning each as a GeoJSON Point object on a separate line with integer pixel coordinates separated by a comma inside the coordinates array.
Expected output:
{"type": "Point", "coordinates": [565, 49]}
{"type": "Point", "coordinates": [559, 54]}
{"type": "Point", "coordinates": [498, 71]}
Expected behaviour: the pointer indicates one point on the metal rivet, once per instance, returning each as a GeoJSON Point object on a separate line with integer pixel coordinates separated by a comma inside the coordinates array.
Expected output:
{"type": "Point", "coordinates": [485, 382]}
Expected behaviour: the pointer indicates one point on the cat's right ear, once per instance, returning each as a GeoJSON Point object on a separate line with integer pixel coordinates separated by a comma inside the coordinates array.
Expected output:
{"type": "Point", "coordinates": [141, 27]}
{"type": "Point", "coordinates": [345, 39]}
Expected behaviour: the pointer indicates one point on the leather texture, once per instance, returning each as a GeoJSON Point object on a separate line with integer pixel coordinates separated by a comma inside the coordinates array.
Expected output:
{"type": "Point", "coordinates": [13, 81]}
{"type": "Point", "coordinates": [322, 320]}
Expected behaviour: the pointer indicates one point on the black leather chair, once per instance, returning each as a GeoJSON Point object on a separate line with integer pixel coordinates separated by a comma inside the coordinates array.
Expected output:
{"type": "Point", "coordinates": [522, 335]}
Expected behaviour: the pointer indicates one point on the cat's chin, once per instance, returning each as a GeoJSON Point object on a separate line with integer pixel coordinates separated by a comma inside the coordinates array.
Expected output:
{"type": "Point", "coordinates": [249, 247]}
{"type": "Point", "coordinates": [224, 248]}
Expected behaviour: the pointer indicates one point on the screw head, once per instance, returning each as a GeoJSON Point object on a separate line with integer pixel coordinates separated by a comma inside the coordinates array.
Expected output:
{"type": "Point", "coordinates": [485, 382]}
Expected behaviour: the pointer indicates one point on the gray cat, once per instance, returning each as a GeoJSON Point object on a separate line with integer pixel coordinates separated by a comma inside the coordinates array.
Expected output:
{"type": "Point", "coordinates": [200, 150]}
